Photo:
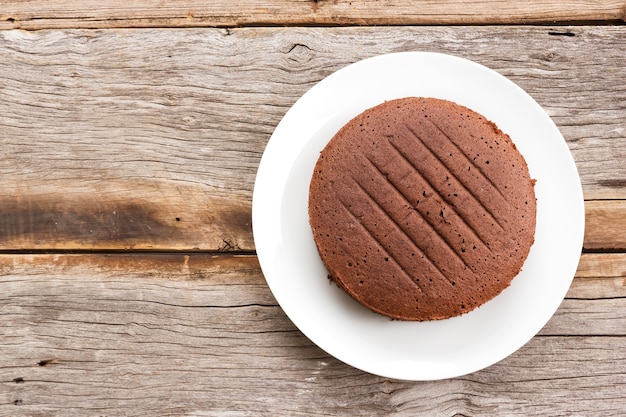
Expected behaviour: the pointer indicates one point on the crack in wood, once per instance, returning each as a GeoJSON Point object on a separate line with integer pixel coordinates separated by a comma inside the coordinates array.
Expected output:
{"type": "Point", "coordinates": [561, 33]}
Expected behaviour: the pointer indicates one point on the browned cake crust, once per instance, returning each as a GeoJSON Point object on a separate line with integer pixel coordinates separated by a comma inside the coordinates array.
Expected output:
{"type": "Point", "coordinates": [422, 209]}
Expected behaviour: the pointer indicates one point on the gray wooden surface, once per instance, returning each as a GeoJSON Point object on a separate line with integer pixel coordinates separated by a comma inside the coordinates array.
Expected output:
{"type": "Point", "coordinates": [201, 334]}
{"type": "Point", "coordinates": [143, 117]}
{"type": "Point", "coordinates": [42, 14]}
{"type": "Point", "coordinates": [128, 279]}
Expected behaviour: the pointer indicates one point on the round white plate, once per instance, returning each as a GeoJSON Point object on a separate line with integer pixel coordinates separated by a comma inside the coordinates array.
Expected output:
{"type": "Point", "coordinates": [338, 324]}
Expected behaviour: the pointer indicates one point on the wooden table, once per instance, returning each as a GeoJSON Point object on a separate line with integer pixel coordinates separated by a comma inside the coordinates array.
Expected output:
{"type": "Point", "coordinates": [130, 135]}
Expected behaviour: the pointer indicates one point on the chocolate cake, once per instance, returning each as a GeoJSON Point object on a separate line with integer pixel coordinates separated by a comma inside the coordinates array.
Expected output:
{"type": "Point", "coordinates": [422, 209]}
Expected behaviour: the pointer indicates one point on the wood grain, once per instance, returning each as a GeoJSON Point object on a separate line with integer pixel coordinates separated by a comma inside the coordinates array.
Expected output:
{"type": "Point", "coordinates": [137, 149]}
{"type": "Point", "coordinates": [41, 14]}
{"type": "Point", "coordinates": [180, 334]}
{"type": "Point", "coordinates": [150, 139]}
{"type": "Point", "coordinates": [605, 227]}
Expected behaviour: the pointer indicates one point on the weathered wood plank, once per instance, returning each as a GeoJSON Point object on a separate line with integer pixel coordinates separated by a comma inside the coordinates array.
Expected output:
{"type": "Point", "coordinates": [150, 139]}
{"type": "Point", "coordinates": [566, 376]}
{"type": "Point", "coordinates": [599, 276]}
{"type": "Point", "coordinates": [605, 226]}
{"type": "Point", "coordinates": [602, 265]}
{"type": "Point", "coordinates": [115, 13]}
{"type": "Point", "coordinates": [604, 273]}
{"type": "Point", "coordinates": [177, 334]}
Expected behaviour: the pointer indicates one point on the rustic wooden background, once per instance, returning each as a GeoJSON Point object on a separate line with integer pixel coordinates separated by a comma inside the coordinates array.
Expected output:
{"type": "Point", "coordinates": [130, 137]}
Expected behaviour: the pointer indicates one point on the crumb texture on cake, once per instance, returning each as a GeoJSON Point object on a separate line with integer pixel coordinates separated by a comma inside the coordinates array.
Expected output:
{"type": "Point", "coordinates": [422, 209]}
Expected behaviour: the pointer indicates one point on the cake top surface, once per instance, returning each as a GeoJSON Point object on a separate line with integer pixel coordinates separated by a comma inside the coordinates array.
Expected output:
{"type": "Point", "coordinates": [422, 209]}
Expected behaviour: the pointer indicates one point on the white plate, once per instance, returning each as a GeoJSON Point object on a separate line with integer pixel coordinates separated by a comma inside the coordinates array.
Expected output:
{"type": "Point", "coordinates": [338, 324]}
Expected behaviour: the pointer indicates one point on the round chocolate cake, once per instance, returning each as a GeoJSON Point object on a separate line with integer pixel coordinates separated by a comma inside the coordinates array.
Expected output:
{"type": "Point", "coordinates": [422, 209]}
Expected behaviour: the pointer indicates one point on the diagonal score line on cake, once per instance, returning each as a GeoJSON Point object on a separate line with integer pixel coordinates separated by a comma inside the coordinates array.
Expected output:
{"type": "Point", "coordinates": [450, 172]}
{"type": "Point", "coordinates": [415, 245]}
{"type": "Point", "coordinates": [382, 247]}
{"type": "Point", "coordinates": [426, 220]}
{"type": "Point", "coordinates": [467, 159]}
{"type": "Point", "coordinates": [448, 205]}
{"type": "Point", "coordinates": [379, 243]}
